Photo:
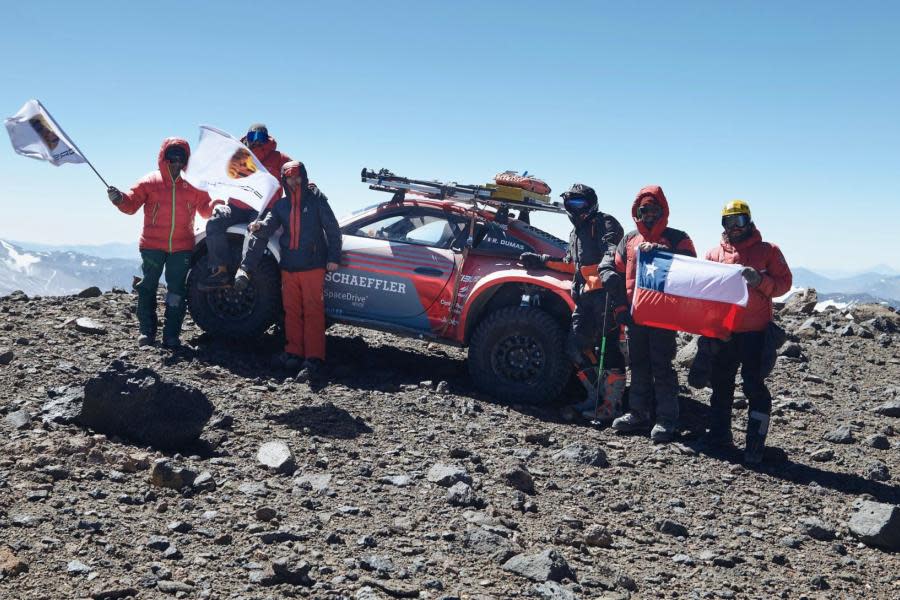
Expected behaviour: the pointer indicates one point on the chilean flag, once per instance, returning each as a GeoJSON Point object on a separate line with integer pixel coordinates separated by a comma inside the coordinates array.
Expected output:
{"type": "Point", "coordinates": [688, 294]}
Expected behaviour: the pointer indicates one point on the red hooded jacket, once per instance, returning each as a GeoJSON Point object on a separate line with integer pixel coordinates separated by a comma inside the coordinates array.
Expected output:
{"type": "Point", "coordinates": [674, 239]}
{"type": "Point", "coordinates": [776, 276]}
{"type": "Point", "coordinates": [272, 160]}
{"type": "Point", "coordinates": [169, 206]}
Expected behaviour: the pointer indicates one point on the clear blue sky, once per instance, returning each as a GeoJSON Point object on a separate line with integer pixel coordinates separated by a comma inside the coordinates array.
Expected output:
{"type": "Point", "coordinates": [791, 106]}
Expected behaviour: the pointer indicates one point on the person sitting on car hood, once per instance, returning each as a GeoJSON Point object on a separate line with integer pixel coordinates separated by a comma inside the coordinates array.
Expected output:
{"type": "Point", "coordinates": [594, 236]}
{"type": "Point", "coordinates": [310, 245]}
{"type": "Point", "coordinates": [167, 240]}
{"type": "Point", "coordinates": [264, 148]}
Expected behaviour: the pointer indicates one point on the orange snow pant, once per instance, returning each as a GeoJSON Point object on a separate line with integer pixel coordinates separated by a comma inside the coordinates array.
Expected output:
{"type": "Point", "coordinates": [304, 312]}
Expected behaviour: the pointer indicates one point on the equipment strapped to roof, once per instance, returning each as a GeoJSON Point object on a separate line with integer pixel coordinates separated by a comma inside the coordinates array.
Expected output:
{"type": "Point", "coordinates": [500, 196]}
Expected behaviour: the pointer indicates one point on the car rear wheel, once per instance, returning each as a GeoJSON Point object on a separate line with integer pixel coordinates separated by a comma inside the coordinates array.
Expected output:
{"type": "Point", "coordinates": [516, 355]}
{"type": "Point", "coordinates": [236, 315]}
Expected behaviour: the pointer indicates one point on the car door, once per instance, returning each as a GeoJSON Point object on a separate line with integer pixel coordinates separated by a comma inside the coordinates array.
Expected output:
{"type": "Point", "coordinates": [395, 265]}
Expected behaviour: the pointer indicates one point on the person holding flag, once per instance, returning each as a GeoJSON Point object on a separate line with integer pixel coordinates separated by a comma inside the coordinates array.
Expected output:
{"type": "Point", "coordinates": [768, 275]}
{"type": "Point", "coordinates": [167, 241]}
{"type": "Point", "coordinates": [651, 349]}
{"type": "Point", "coordinates": [265, 149]}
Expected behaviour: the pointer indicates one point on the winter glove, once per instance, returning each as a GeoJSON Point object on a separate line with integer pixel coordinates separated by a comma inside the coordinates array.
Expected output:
{"type": "Point", "coordinates": [219, 211]}
{"type": "Point", "coordinates": [623, 316]}
{"type": "Point", "coordinates": [115, 196]}
{"type": "Point", "coordinates": [530, 260]}
{"type": "Point", "coordinates": [752, 276]}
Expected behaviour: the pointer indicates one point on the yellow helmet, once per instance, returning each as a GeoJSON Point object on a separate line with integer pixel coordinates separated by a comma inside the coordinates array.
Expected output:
{"type": "Point", "coordinates": [736, 207]}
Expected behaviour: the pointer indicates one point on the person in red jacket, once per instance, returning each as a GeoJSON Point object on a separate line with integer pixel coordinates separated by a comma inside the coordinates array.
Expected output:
{"type": "Point", "coordinates": [768, 275]}
{"type": "Point", "coordinates": [651, 350]}
{"type": "Point", "coordinates": [167, 241]}
{"type": "Point", "coordinates": [265, 149]}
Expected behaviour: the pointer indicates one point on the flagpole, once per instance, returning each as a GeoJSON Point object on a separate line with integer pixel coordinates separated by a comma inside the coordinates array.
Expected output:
{"type": "Point", "coordinates": [68, 139]}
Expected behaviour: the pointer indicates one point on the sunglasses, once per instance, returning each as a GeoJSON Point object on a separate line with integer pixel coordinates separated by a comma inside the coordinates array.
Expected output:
{"type": "Point", "coordinates": [175, 159]}
{"type": "Point", "coordinates": [734, 221]}
{"type": "Point", "coordinates": [650, 210]}
{"type": "Point", "coordinates": [257, 137]}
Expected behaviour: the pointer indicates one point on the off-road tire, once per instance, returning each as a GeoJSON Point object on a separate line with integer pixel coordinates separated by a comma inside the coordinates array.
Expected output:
{"type": "Point", "coordinates": [235, 315]}
{"type": "Point", "coordinates": [517, 355]}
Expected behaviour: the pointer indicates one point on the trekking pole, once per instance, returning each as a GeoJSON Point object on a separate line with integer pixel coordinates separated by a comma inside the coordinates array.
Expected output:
{"type": "Point", "coordinates": [602, 357]}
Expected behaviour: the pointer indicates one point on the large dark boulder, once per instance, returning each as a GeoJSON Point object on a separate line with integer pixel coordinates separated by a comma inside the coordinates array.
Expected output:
{"type": "Point", "coordinates": [138, 405]}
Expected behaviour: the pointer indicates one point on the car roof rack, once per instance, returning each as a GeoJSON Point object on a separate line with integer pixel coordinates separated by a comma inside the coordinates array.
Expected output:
{"type": "Point", "coordinates": [499, 196]}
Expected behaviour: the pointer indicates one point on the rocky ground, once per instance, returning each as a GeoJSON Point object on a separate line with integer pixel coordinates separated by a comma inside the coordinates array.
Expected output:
{"type": "Point", "coordinates": [398, 480]}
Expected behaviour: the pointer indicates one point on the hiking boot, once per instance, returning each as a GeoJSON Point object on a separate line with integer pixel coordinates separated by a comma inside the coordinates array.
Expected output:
{"type": "Point", "coordinates": [218, 278]}
{"type": "Point", "coordinates": [662, 433]}
{"type": "Point", "coordinates": [287, 361]}
{"type": "Point", "coordinates": [241, 280]}
{"type": "Point", "coordinates": [755, 445]}
{"type": "Point", "coordinates": [146, 340]}
{"type": "Point", "coordinates": [172, 343]}
{"type": "Point", "coordinates": [717, 439]}
{"type": "Point", "coordinates": [630, 423]}
{"type": "Point", "coordinates": [312, 371]}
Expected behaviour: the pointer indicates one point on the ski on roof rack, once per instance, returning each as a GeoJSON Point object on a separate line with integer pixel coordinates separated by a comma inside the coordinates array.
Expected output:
{"type": "Point", "coordinates": [500, 196]}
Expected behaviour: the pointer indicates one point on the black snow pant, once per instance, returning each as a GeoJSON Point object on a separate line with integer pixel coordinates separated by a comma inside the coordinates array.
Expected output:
{"type": "Point", "coordinates": [587, 329]}
{"type": "Point", "coordinates": [224, 216]}
{"type": "Point", "coordinates": [744, 350]}
{"type": "Point", "coordinates": [651, 352]}
{"type": "Point", "coordinates": [176, 266]}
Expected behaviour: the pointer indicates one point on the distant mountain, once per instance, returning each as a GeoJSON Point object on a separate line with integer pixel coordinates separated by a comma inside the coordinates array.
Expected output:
{"type": "Point", "coordinates": [127, 251]}
{"type": "Point", "coordinates": [53, 273]}
{"type": "Point", "coordinates": [868, 287]}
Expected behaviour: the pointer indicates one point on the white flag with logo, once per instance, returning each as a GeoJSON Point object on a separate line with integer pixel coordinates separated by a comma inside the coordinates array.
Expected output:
{"type": "Point", "coordinates": [34, 133]}
{"type": "Point", "coordinates": [224, 168]}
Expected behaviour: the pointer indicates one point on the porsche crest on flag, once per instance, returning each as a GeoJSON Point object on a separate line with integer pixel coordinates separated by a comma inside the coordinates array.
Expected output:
{"type": "Point", "coordinates": [35, 134]}
{"type": "Point", "coordinates": [224, 168]}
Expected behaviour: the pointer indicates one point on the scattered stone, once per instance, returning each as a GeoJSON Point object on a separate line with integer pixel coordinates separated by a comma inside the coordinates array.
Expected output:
{"type": "Point", "coordinates": [791, 350]}
{"type": "Point", "coordinates": [20, 419]}
{"type": "Point", "coordinates": [396, 480]}
{"type": "Point", "coordinates": [802, 302]}
{"type": "Point", "coordinates": [877, 471]}
{"type": "Point", "coordinates": [10, 564]}
{"type": "Point", "coordinates": [316, 482]}
{"type": "Point", "coordinates": [480, 541]}
{"type": "Point", "coordinates": [137, 404]}
{"type": "Point", "coordinates": [204, 482]}
{"type": "Point", "coordinates": [113, 593]}
{"type": "Point", "coordinates": [583, 455]}
{"type": "Point", "coordinates": [447, 475]}
{"type": "Point", "coordinates": [822, 455]}
{"type": "Point", "coordinates": [683, 559]}
{"type": "Point", "coordinates": [173, 587]}
{"type": "Point", "coordinates": [86, 325]}
{"type": "Point", "coordinates": [519, 478]}
{"type": "Point", "coordinates": [548, 565]}
{"type": "Point", "coordinates": [816, 528]}
{"type": "Point", "coordinates": [276, 456]}
{"type": "Point", "coordinates": [878, 441]}
{"type": "Point", "coordinates": [670, 527]}
{"type": "Point", "coordinates": [889, 409]}
{"type": "Point", "coordinates": [76, 567]}
{"type": "Point", "coordinates": [63, 407]}
{"type": "Point", "coordinates": [550, 590]}
{"type": "Point", "coordinates": [877, 524]}
{"type": "Point", "coordinates": [158, 542]}
{"type": "Point", "coordinates": [461, 494]}
{"type": "Point", "coordinates": [541, 438]}
{"type": "Point", "coordinates": [91, 292]}
{"type": "Point", "coordinates": [841, 435]}
{"type": "Point", "coordinates": [164, 475]}
{"type": "Point", "coordinates": [380, 564]}
{"type": "Point", "coordinates": [598, 537]}
{"type": "Point", "coordinates": [6, 356]}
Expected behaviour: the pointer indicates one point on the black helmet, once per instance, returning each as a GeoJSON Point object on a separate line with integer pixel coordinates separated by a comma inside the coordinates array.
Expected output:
{"type": "Point", "coordinates": [580, 201]}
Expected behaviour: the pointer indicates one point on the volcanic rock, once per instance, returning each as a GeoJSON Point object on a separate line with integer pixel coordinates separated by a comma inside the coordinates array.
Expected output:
{"type": "Point", "coordinates": [877, 524]}
{"type": "Point", "coordinates": [548, 565]}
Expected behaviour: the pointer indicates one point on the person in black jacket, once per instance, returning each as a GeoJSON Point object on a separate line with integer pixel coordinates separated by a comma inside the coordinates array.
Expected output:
{"type": "Point", "coordinates": [310, 245]}
{"type": "Point", "coordinates": [594, 236]}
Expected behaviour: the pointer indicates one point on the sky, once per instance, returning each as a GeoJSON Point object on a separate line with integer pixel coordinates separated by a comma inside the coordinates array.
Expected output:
{"type": "Point", "coordinates": [792, 107]}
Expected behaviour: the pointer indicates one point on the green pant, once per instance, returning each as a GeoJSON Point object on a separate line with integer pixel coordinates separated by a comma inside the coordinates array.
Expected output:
{"type": "Point", "coordinates": [177, 266]}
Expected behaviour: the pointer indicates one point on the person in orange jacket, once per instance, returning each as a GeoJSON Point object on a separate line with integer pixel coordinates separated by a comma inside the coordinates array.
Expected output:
{"type": "Point", "coordinates": [167, 241]}
{"type": "Point", "coordinates": [768, 275]}
{"type": "Point", "coordinates": [265, 148]}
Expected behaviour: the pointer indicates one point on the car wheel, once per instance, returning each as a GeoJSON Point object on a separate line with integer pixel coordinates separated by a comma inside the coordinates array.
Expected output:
{"type": "Point", "coordinates": [516, 355]}
{"type": "Point", "coordinates": [230, 314]}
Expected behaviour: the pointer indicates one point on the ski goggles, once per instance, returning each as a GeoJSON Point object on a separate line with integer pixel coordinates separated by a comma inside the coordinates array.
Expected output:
{"type": "Point", "coordinates": [735, 221]}
{"type": "Point", "coordinates": [648, 210]}
{"type": "Point", "coordinates": [576, 203]}
{"type": "Point", "coordinates": [257, 137]}
{"type": "Point", "coordinates": [175, 155]}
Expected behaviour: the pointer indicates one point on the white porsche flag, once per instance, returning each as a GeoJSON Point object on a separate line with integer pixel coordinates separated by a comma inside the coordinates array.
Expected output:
{"type": "Point", "coordinates": [34, 133]}
{"type": "Point", "coordinates": [224, 168]}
